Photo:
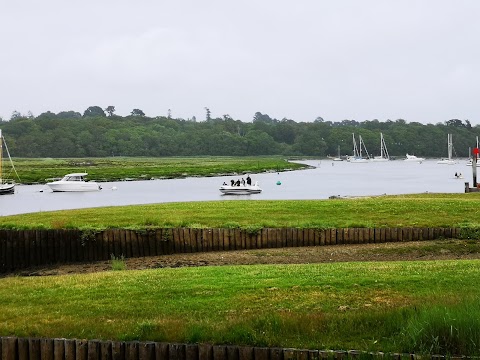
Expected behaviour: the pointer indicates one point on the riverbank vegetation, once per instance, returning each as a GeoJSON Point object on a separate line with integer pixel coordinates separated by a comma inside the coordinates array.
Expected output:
{"type": "Point", "coordinates": [421, 210]}
{"type": "Point", "coordinates": [422, 307]}
{"type": "Point", "coordinates": [93, 134]}
{"type": "Point", "coordinates": [139, 168]}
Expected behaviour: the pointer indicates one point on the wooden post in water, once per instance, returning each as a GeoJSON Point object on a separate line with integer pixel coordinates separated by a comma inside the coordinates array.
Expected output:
{"type": "Point", "coordinates": [474, 167]}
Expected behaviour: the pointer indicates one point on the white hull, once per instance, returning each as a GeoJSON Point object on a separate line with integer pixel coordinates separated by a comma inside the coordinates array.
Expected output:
{"type": "Point", "coordinates": [357, 160]}
{"type": "Point", "coordinates": [413, 158]}
{"type": "Point", "coordinates": [470, 163]}
{"type": "Point", "coordinates": [59, 186]}
{"type": "Point", "coordinates": [7, 189]}
{"type": "Point", "coordinates": [240, 190]}
{"type": "Point", "coordinates": [447, 162]}
{"type": "Point", "coordinates": [380, 159]}
{"type": "Point", "coordinates": [74, 183]}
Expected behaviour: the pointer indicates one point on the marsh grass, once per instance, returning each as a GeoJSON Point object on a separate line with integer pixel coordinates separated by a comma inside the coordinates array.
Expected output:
{"type": "Point", "coordinates": [138, 168]}
{"type": "Point", "coordinates": [397, 306]}
{"type": "Point", "coordinates": [423, 210]}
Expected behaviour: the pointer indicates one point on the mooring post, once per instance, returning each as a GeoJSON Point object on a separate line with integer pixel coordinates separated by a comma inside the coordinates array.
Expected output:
{"type": "Point", "coordinates": [474, 167]}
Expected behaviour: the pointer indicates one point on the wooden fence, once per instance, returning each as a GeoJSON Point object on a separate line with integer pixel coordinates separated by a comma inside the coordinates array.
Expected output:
{"type": "Point", "coordinates": [21, 249]}
{"type": "Point", "coordinates": [12, 348]}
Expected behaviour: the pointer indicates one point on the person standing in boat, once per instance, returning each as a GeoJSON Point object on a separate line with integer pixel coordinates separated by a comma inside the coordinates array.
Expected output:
{"type": "Point", "coordinates": [238, 182]}
{"type": "Point", "coordinates": [232, 182]}
{"type": "Point", "coordinates": [249, 180]}
{"type": "Point", "coordinates": [243, 181]}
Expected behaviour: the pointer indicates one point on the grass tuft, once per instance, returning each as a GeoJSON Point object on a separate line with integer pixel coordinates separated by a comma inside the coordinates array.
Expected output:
{"type": "Point", "coordinates": [118, 263]}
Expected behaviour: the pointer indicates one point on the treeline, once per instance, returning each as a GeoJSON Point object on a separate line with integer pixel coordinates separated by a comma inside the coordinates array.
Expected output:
{"type": "Point", "coordinates": [94, 134]}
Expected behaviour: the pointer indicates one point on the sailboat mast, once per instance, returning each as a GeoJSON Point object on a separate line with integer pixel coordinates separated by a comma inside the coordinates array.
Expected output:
{"type": "Point", "coordinates": [355, 150]}
{"type": "Point", "coordinates": [450, 146]}
{"type": "Point", "coordinates": [381, 145]}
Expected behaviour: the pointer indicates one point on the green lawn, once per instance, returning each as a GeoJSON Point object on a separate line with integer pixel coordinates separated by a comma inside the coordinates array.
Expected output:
{"type": "Point", "coordinates": [429, 306]}
{"type": "Point", "coordinates": [425, 210]}
{"type": "Point", "coordinates": [396, 306]}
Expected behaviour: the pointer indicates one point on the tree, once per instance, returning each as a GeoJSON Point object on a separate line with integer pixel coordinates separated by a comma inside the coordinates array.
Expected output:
{"type": "Point", "coordinates": [262, 118]}
{"type": "Point", "coordinates": [15, 115]}
{"type": "Point", "coordinates": [137, 112]}
{"type": "Point", "coordinates": [208, 117]}
{"type": "Point", "coordinates": [68, 115]}
{"type": "Point", "coordinates": [110, 110]}
{"type": "Point", "coordinates": [94, 111]}
{"type": "Point", "coordinates": [46, 115]}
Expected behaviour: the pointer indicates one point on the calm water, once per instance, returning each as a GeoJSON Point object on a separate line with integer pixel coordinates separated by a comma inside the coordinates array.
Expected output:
{"type": "Point", "coordinates": [326, 179]}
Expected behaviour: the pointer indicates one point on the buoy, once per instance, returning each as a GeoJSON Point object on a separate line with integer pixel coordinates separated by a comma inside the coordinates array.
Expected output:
{"type": "Point", "coordinates": [279, 182]}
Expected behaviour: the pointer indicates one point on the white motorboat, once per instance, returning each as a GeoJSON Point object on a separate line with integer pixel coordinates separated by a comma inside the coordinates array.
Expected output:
{"type": "Point", "coordinates": [6, 186]}
{"type": "Point", "coordinates": [240, 189]}
{"type": "Point", "coordinates": [74, 182]}
{"type": "Point", "coordinates": [413, 158]}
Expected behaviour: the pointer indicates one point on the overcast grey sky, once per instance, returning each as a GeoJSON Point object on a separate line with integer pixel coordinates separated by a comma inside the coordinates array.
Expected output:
{"type": "Point", "coordinates": [343, 59]}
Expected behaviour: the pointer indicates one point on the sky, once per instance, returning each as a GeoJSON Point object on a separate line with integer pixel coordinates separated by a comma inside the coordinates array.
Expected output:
{"type": "Point", "coordinates": [416, 60]}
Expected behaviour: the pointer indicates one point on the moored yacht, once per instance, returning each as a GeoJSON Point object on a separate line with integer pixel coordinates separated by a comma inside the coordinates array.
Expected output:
{"type": "Point", "coordinates": [72, 183]}
{"type": "Point", "coordinates": [413, 158]}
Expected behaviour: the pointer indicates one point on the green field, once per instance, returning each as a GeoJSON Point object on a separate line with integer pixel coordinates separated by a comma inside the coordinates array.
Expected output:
{"type": "Point", "coordinates": [33, 171]}
{"type": "Point", "coordinates": [429, 307]}
{"type": "Point", "coordinates": [424, 210]}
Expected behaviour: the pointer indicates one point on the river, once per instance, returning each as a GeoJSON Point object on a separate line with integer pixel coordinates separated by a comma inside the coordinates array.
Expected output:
{"type": "Point", "coordinates": [326, 179]}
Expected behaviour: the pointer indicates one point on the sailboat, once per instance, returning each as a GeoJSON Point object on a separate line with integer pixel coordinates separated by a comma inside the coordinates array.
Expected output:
{"type": "Point", "coordinates": [470, 160]}
{"type": "Point", "coordinates": [338, 158]}
{"type": "Point", "coordinates": [6, 187]}
{"type": "Point", "coordinates": [357, 151]}
{"type": "Point", "coordinates": [449, 160]}
{"type": "Point", "coordinates": [383, 151]}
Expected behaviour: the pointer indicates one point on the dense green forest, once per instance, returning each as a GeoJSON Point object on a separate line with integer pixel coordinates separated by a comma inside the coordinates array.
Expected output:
{"type": "Point", "coordinates": [101, 133]}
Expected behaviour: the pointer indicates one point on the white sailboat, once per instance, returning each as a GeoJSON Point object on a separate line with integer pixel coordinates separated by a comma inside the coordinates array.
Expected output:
{"type": "Point", "coordinates": [338, 157]}
{"type": "Point", "coordinates": [383, 151]}
{"type": "Point", "coordinates": [6, 186]}
{"type": "Point", "coordinates": [449, 160]}
{"type": "Point", "coordinates": [357, 156]}
{"type": "Point", "coordinates": [470, 161]}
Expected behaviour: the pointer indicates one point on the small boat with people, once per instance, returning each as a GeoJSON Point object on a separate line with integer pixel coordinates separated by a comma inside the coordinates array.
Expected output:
{"type": "Point", "coordinates": [74, 182]}
{"type": "Point", "coordinates": [240, 187]}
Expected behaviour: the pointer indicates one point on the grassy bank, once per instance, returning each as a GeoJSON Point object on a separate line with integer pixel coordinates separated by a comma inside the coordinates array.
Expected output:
{"type": "Point", "coordinates": [120, 168]}
{"type": "Point", "coordinates": [425, 210]}
{"type": "Point", "coordinates": [417, 307]}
